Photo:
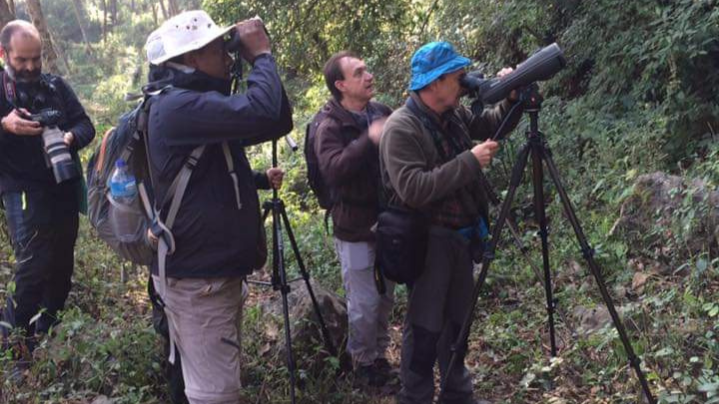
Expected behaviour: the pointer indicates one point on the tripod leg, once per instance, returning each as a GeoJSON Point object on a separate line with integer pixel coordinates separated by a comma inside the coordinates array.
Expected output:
{"type": "Point", "coordinates": [461, 341]}
{"type": "Point", "coordinates": [538, 182]}
{"type": "Point", "coordinates": [278, 264]}
{"type": "Point", "coordinates": [514, 231]}
{"type": "Point", "coordinates": [329, 345]}
{"type": "Point", "coordinates": [588, 254]}
{"type": "Point", "coordinates": [266, 213]}
{"type": "Point", "coordinates": [521, 248]}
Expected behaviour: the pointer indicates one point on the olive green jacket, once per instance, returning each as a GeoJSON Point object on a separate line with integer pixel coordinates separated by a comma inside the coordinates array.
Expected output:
{"type": "Point", "coordinates": [414, 175]}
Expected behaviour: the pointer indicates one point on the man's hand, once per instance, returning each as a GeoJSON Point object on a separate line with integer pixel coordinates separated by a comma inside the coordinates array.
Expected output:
{"type": "Point", "coordinates": [16, 124]}
{"type": "Point", "coordinates": [375, 130]}
{"type": "Point", "coordinates": [154, 241]}
{"type": "Point", "coordinates": [485, 151]}
{"type": "Point", "coordinates": [275, 175]}
{"type": "Point", "coordinates": [254, 39]}
{"type": "Point", "coordinates": [69, 137]}
{"type": "Point", "coordinates": [513, 96]}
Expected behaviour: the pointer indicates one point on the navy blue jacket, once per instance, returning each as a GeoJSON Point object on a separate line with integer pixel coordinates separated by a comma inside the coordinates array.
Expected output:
{"type": "Point", "coordinates": [213, 237]}
{"type": "Point", "coordinates": [22, 159]}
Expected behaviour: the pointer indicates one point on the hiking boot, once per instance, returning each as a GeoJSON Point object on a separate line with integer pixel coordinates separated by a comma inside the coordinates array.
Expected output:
{"type": "Point", "coordinates": [17, 373]}
{"type": "Point", "coordinates": [383, 367]}
{"type": "Point", "coordinates": [471, 401]}
{"type": "Point", "coordinates": [369, 376]}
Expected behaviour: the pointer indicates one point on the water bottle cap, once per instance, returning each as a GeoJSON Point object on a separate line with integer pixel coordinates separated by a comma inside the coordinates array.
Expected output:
{"type": "Point", "coordinates": [120, 163]}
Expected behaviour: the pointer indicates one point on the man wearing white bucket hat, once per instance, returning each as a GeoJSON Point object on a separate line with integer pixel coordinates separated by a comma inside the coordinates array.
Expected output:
{"type": "Point", "coordinates": [217, 235]}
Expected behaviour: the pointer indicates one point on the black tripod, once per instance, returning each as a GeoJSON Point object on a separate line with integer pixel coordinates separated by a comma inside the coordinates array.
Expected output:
{"type": "Point", "coordinates": [537, 146]}
{"type": "Point", "coordinates": [279, 276]}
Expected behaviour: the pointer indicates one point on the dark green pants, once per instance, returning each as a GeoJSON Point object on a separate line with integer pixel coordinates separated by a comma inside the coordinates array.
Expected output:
{"type": "Point", "coordinates": [438, 302]}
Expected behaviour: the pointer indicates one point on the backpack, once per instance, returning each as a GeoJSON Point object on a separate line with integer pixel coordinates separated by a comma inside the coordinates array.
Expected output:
{"type": "Point", "coordinates": [128, 140]}
{"type": "Point", "coordinates": [123, 141]}
{"type": "Point", "coordinates": [314, 176]}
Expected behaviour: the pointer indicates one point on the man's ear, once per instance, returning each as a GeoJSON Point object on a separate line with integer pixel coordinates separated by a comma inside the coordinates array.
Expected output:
{"type": "Point", "coordinates": [340, 85]}
{"type": "Point", "coordinates": [189, 59]}
{"type": "Point", "coordinates": [2, 52]}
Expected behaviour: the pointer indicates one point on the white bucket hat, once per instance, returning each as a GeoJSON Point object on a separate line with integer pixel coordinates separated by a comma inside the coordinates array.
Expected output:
{"type": "Point", "coordinates": [180, 34]}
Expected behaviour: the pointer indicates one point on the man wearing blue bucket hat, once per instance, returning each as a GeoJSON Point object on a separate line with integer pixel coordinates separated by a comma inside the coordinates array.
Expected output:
{"type": "Point", "coordinates": [430, 165]}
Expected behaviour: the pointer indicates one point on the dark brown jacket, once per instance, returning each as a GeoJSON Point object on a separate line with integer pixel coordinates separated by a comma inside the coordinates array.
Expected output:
{"type": "Point", "coordinates": [349, 163]}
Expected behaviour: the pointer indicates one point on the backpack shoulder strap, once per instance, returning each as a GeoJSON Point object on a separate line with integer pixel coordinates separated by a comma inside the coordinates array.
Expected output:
{"type": "Point", "coordinates": [179, 185]}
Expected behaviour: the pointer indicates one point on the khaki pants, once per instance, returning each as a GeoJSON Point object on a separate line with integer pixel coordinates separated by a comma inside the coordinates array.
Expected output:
{"type": "Point", "coordinates": [204, 317]}
{"type": "Point", "coordinates": [368, 311]}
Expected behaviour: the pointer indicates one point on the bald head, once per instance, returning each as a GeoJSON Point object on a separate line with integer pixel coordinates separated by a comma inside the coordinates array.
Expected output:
{"type": "Point", "coordinates": [21, 50]}
{"type": "Point", "coordinates": [19, 29]}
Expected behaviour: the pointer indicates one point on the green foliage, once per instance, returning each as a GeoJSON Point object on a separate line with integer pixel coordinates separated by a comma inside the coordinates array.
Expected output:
{"type": "Point", "coordinates": [306, 33]}
{"type": "Point", "coordinates": [637, 95]}
{"type": "Point", "coordinates": [671, 70]}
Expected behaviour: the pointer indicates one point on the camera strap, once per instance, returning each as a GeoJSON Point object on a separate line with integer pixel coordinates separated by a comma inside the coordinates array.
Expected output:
{"type": "Point", "coordinates": [454, 142]}
{"type": "Point", "coordinates": [10, 91]}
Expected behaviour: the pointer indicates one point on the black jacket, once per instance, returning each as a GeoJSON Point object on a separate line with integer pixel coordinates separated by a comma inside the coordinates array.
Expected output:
{"type": "Point", "coordinates": [22, 160]}
{"type": "Point", "coordinates": [213, 237]}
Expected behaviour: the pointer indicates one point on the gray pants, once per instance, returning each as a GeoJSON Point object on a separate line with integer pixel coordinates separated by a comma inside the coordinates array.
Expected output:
{"type": "Point", "coordinates": [368, 311]}
{"type": "Point", "coordinates": [438, 302]}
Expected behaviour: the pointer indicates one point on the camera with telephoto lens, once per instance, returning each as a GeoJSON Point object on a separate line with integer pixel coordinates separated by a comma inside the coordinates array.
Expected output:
{"type": "Point", "coordinates": [46, 117]}
{"type": "Point", "coordinates": [57, 153]}
{"type": "Point", "coordinates": [542, 65]}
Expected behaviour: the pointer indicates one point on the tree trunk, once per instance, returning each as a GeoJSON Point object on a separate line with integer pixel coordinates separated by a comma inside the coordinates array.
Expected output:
{"type": "Point", "coordinates": [7, 12]}
{"type": "Point", "coordinates": [48, 50]}
{"type": "Point", "coordinates": [164, 10]}
{"type": "Point", "coordinates": [61, 54]}
{"type": "Point", "coordinates": [113, 8]}
{"type": "Point", "coordinates": [154, 14]}
{"type": "Point", "coordinates": [104, 21]}
{"type": "Point", "coordinates": [77, 5]}
{"type": "Point", "coordinates": [172, 7]}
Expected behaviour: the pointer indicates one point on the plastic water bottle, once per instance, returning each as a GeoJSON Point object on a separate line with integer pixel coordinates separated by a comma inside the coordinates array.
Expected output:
{"type": "Point", "coordinates": [123, 191]}
{"type": "Point", "coordinates": [122, 184]}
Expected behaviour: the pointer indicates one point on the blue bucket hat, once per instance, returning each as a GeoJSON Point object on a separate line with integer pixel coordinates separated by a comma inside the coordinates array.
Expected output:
{"type": "Point", "coordinates": [433, 60]}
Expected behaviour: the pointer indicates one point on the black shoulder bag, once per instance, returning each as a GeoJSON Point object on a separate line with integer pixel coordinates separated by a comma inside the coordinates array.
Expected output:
{"type": "Point", "coordinates": [402, 234]}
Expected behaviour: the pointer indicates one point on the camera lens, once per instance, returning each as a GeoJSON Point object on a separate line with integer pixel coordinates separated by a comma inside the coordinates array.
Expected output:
{"type": "Point", "coordinates": [63, 167]}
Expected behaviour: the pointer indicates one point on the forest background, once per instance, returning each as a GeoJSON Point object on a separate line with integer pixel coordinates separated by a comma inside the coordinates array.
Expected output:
{"type": "Point", "coordinates": [638, 96]}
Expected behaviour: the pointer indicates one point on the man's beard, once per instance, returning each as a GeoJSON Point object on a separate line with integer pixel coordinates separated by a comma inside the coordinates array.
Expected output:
{"type": "Point", "coordinates": [22, 76]}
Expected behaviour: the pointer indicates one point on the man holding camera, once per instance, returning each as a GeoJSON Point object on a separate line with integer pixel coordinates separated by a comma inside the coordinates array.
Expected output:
{"type": "Point", "coordinates": [347, 151]}
{"type": "Point", "coordinates": [218, 235]}
{"type": "Point", "coordinates": [40, 179]}
{"type": "Point", "coordinates": [429, 164]}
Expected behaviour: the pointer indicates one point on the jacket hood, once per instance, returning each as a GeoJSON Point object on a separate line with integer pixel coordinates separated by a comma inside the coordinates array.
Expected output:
{"type": "Point", "coordinates": [334, 109]}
